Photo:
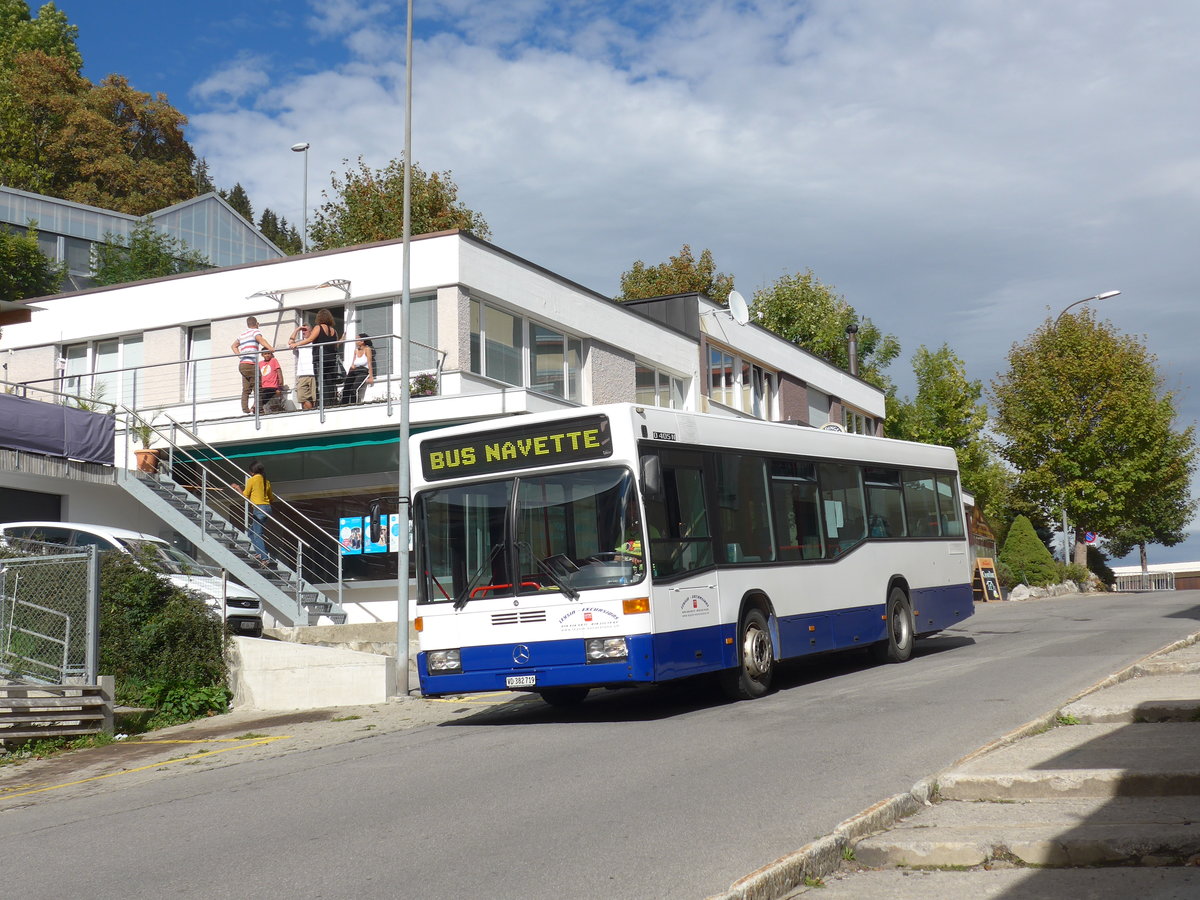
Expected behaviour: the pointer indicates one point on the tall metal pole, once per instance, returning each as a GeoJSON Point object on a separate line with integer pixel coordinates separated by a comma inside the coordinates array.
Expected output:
{"type": "Point", "coordinates": [404, 500]}
{"type": "Point", "coordinates": [302, 147]}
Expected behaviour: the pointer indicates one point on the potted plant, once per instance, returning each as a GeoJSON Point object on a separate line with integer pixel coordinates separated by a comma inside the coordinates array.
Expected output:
{"type": "Point", "coordinates": [147, 458]}
{"type": "Point", "coordinates": [423, 385]}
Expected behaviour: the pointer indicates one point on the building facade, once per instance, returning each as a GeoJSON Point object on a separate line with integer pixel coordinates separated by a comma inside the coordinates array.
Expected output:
{"type": "Point", "coordinates": [491, 334]}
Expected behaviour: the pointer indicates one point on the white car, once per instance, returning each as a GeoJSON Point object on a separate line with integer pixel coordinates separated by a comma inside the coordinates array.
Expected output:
{"type": "Point", "coordinates": [243, 608]}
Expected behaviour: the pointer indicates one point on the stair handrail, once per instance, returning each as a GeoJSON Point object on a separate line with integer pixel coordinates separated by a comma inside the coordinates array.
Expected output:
{"type": "Point", "coordinates": [167, 432]}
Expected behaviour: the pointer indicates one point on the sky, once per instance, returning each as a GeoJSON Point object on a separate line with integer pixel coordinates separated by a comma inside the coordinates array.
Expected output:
{"type": "Point", "coordinates": [958, 171]}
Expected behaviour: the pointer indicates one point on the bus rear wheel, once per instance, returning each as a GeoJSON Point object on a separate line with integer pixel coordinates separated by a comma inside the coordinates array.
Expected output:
{"type": "Point", "coordinates": [565, 696]}
{"type": "Point", "coordinates": [898, 646]}
{"type": "Point", "coordinates": [756, 660]}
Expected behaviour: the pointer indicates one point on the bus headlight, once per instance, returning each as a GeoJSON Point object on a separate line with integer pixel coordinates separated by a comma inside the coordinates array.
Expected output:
{"type": "Point", "coordinates": [606, 649]}
{"type": "Point", "coordinates": [441, 661]}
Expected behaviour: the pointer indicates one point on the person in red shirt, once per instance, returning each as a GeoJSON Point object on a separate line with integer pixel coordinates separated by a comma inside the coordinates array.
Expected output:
{"type": "Point", "coordinates": [270, 382]}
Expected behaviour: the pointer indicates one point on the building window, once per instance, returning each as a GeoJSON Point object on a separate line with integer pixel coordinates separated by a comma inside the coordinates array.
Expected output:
{"type": "Point", "coordinates": [656, 388]}
{"type": "Point", "coordinates": [496, 343]}
{"type": "Point", "coordinates": [199, 369]}
{"type": "Point", "coordinates": [857, 423]}
{"type": "Point", "coordinates": [554, 362]}
{"type": "Point", "coordinates": [104, 370]}
{"type": "Point", "coordinates": [740, 383]}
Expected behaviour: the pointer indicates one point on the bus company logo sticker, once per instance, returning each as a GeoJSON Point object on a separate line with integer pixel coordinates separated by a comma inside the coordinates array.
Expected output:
{"type": "Point", "coordinates": [695, 605]}
{"type": "Point", "coordinates": [521, 654]}
{"type": "Point", "coordinates": [665, 436]}
{"type": "Point", "coordinates": [587, 617]}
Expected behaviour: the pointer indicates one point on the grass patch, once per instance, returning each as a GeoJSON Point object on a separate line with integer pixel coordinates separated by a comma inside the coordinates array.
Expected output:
{"type": "Point", "coordinates": [848, 853]}
{"type": "Point", "coordinates": [813, 881]}
{"type": "Point", "coordinates": [1066, 720]}
{"type": "Point", "coordinates": [47, 747]}
{"type": "Point", "coordinates": [250, 736]}
{"type": "Point", "coordinates": [345, 718]}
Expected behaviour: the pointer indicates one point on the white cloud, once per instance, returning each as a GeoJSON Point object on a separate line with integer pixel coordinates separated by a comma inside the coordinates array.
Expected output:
{"type": "Point", "coordinates": [957, 170]}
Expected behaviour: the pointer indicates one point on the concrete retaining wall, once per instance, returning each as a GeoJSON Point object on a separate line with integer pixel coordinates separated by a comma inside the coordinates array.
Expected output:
{"type": "Point", "coordinates": [267, 674]}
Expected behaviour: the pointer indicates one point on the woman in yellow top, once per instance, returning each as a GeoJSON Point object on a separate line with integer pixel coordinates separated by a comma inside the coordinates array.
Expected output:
{"type": "Point", "coordinates": [258, 492]}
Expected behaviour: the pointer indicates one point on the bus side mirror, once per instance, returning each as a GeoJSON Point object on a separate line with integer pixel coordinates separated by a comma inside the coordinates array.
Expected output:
{"type": "Point", "coordinates": [373, 517]}
{"type": "Point", "coordinates": [652, 477]}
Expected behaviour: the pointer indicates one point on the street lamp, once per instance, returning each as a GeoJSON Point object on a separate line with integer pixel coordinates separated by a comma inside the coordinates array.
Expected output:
{"type": "Point", "coordinates": [1103, 296]}
{"type": "Point", "coordinates": [302, 147]}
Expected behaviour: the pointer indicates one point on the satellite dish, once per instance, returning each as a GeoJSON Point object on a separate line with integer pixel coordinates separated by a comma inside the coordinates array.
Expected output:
{"type": "Point", "coordinates": [739, 308]}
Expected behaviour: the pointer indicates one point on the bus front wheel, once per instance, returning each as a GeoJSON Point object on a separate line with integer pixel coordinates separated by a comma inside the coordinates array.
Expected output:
{"type": "Point", "coordinates": [564, 696]}
{"type": "Point", "coordinates": [756, 661]}
{"type": "Point", "coordinates": [898, 646]}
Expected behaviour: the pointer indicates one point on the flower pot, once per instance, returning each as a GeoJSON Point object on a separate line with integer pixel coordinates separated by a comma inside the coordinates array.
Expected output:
{"type": "Point", "coordinates": [147, 459]}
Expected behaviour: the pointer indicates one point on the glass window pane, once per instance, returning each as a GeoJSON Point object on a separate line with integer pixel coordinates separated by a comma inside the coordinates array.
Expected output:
{"type": "Point", "coordinates": [575, 369]}
{"type": "Point", "coordinates": [796, 508]}
{"type": "Point", "coordinates": [476, 326]}
{"type": "Point", "coordinates": [546, 361]}
{"type": "Point", "coordinates": [503, 345]}
{"type": "Point", "coordinates": [742, 487]}
{"type": "Point", "coordinates": [950, 507]}
{"type": "Point", "coordinates": [643, 392]}
{"type": "Point", "coordinates": [920, 504]}
{"type": "Point", "coordinates": [375, 321]}
{"type": "Point", "coordinates": [844, 511]}
{"type": "Point", "coordinates": [462, 547]}
{"type": "Point", "coordinates": [885, 504]}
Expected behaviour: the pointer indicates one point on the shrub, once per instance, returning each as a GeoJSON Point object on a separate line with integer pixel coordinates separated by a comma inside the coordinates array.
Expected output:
{"type": "Point", "coordinates": [1077, 574]}
{"type": "Point", "coordinates": [1026, 556]}
{"type": "Point", "coordinates": [161, 643]}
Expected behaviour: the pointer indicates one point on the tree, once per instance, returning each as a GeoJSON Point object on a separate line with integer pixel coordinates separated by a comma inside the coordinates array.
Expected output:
{"type": "Point", "coordinates": [368, 206]}
{"type": "Point", "coordinates": [24, 270]}
{"type": "Point", "coordinates": [105, 145]}
{"type": "Point", "coordinates": [148, 253]}
{"type": "Point", "coordinates": [681, 274]}
{"type": "Point", "coordinates": [1088, 428]}
{"type": "Point", "coordinates": [948, 410]}
{"type": "Point", "coordinates": [201, 178]}
{"type": "Point", "coordinates": [49, 32]}
{"type": "Point", "coordinates": [279, 232]}
{"type": "Point", "coordinates": [801, 309]}
{"type": "Point", "coordinates": [1026, 556]}
{"type": "Point", "coordinates": [239, 200]}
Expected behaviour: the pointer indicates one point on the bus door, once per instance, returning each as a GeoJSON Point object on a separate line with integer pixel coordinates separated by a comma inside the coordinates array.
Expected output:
{"type": "Point", "coordinates": [685, 594]}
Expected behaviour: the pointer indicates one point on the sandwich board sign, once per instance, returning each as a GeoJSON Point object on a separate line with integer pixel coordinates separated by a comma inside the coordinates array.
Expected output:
{"type": "Point", "coordinates": [984, 583]}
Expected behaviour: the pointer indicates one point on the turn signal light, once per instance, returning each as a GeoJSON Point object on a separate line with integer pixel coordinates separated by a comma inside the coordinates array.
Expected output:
{"type": "Point", "coordinates": [636, 605]}
{"type": "Point", "coordinates": [419, 623]}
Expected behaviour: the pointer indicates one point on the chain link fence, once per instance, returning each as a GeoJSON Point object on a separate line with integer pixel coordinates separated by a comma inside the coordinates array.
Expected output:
{"type": "Point", "coordinates": [49, 612]}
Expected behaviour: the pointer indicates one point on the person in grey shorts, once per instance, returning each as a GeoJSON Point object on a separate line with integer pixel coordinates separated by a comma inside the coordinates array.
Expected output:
{"type": "Point", "coordinates": [306, 376]}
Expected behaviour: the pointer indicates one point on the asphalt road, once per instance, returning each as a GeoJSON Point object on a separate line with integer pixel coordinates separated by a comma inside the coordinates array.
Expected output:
{"type": "Point", "coordinates": [667, 792]}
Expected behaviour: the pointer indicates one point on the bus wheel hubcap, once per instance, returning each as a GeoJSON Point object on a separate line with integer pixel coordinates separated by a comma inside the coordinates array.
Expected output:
{"type": "Point", "coordinates": [756, 652]}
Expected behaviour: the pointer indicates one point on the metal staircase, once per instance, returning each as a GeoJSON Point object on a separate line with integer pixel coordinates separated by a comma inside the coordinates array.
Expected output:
{"type": "Point", "coordinates": [194, 491]}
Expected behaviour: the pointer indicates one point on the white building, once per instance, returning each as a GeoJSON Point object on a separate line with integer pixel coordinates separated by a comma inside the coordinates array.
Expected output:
{"type": "Point", "coordinates": [495, 334]}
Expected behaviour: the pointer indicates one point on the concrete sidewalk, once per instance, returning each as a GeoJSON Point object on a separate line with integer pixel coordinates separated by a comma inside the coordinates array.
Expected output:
{"type": "Point", "coordinates": [1100, 799]}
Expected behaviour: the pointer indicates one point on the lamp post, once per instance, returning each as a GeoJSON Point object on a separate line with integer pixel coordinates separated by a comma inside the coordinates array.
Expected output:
{"type": "Point", "coordinates": [302, 147]}
{"type": "Point", "coordinates": [1103, 296]}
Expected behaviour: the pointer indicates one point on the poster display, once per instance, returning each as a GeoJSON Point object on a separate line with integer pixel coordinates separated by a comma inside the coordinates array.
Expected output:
{"type": "Point", "coordinates": [350, 535]}
{"type": "Point", "coordinates": [384, 542]}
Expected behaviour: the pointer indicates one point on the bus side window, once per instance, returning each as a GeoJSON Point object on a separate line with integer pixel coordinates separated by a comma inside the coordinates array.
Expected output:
{"type": "Point", "coordinates": [845, 510]}
{"type": "Point", "coordinates": [796, 508]}
{"type": "Point", "coordinates": [681, 521]}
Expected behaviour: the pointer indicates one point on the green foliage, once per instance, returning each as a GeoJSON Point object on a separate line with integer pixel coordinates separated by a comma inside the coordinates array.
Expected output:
{"type": "Point", "coordinates": [681, 274]}
{"type": "Point", "coordinates": [1086, 424]}
{"type": "Point", "coordinates": [148, 253]}
{"type": "Point", "coordinates": [1073, 572]}
{"type": "Point", "coordinates": [44, 747]}
{"type": "Point", "coordinates": [161, 643]}
{"type": "Point", "coordinates": [106, 145]}
{"type": "Point", "coordinates": [277, 230]}
{"type": "Point", "coordinates": [800, 309]}
{"type": "Point", "coordinates": [24, 271]}
{"type": "Point", "coordinates": [1026, 557]}
{"type": "Point", "coordinates": [1097, 563]}
{"type": "Point", "coordinates": [368, 205]}
{"type": "Point", "coordinates": [240, 201]}
{"type": "Point", "coordinates": [948, 410]}
{"type": "Point", "coordinates": [423, 385]}
{"type": "Point", "coordinates": [177, 703]}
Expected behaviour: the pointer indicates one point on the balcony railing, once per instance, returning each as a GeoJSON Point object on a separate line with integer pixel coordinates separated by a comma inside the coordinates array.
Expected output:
{"type": "Point", "coordinates": [207, 388]}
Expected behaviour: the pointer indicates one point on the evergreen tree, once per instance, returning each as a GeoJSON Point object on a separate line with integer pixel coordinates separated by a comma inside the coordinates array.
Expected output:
{"type": "Point", "coordinates": [239, 200]}
{"type": "Point", "coordinates": [201, 178]}
{"type": "Point", "coordinates": [681, 274]}
{"type": "Point", "coordinates": [1026, 556]}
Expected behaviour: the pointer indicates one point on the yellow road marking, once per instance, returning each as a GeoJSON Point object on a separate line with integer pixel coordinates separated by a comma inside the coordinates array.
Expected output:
{"type": "Point", "coordinates": [242, 743]}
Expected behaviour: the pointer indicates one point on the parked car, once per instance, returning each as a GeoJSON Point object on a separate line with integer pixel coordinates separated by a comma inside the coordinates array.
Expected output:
{"type": "Point", "coordinates": [243, 608]}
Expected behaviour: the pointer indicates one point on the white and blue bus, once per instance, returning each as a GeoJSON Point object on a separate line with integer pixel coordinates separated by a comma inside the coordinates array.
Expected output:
{"type": "Point", "coordinates": [621, 545]}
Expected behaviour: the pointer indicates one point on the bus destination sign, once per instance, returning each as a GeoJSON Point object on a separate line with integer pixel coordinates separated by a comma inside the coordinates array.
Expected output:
{"type": "Point", "coordinates": [518, 447]}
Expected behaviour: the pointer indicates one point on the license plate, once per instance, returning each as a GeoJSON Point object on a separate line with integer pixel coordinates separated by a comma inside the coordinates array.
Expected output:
{"type": "Point", "coordinates": [520, 681]}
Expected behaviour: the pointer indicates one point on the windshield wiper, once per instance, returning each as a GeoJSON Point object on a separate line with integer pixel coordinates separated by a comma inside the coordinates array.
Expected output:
{"type": "Point", "coordinates": [558, 579]}
{"type": "Point", "coordinates": [464, 596]}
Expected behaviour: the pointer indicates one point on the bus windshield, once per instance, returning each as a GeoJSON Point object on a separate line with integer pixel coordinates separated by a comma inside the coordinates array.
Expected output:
{"type": "Point", "coordinates": [563, 532]}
